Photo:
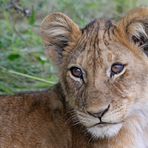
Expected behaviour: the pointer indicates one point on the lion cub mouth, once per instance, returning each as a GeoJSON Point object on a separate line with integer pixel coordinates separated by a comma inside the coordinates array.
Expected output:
{"type": "Point", "coordinates": [98, 128]}
{"type": "Point", "coordinates": [103, 124]}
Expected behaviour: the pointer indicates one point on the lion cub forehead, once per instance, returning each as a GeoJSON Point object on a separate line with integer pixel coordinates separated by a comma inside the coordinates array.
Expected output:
{"type": "Point", "coordinates": [94, 42]}
{"type": "Point", "coordinates": [97, 32]}
{"type": "Point", "coordinates": [98, 23]}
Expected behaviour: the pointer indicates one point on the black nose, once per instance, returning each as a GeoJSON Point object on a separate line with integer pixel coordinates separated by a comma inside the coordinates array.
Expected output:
{"type": "Point", "coordinates": [100, 113]}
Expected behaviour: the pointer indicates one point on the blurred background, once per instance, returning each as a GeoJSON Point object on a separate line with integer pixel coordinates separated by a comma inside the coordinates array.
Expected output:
{"type": "Point", "coordinates": [23, 63]}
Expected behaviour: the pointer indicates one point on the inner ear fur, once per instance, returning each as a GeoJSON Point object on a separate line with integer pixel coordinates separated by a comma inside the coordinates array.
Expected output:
{"type": "Point", "coordinates": [58, 31]}
{"type": "Point", "coordinates": [133, 28]}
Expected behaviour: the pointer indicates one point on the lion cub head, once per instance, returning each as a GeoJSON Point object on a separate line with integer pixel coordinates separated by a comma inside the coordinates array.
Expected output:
{"type": "Point", "coordinates": [103, 68]}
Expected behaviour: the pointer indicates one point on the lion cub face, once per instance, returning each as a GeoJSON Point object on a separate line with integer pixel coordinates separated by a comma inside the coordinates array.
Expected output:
{"type": "Point", "coordinates": [103, 68]}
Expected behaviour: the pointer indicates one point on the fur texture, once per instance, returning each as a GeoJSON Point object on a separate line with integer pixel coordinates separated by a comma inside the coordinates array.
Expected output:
{"type": "Point", "coordinates": [100, 109]}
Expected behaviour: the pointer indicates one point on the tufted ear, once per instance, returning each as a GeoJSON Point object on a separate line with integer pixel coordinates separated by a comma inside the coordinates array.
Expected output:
{"type": "Point", "coordinates": [134, 28]}
{"type": "Point", "coordinates": [58, 31]}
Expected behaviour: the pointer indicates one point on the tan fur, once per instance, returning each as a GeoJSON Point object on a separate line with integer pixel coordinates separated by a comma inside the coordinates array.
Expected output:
{"type": "Point", "coordinates": [67, 116]}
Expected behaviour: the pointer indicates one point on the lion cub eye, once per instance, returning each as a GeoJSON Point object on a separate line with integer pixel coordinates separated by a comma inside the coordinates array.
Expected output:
{"type": "Point", "coordinates": [76, 72]}
{"type": "Point", "coordinates": [116, 68]}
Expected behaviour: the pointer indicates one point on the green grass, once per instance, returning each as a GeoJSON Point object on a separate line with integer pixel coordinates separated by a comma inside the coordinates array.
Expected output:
{"type": "Point", "coordinates": [23, 63]}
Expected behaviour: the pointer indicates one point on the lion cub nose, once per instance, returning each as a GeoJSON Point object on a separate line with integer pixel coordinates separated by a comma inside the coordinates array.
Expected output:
{"type": "Point", "coordinates": [99, 113]}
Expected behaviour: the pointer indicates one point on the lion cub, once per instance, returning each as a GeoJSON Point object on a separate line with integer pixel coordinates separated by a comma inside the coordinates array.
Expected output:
{"type": "Point", "coordinates": [101, 100]}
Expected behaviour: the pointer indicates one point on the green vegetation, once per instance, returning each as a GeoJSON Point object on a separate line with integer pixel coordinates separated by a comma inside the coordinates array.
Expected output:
{"type": "Point", "coordinates": [23, 63]}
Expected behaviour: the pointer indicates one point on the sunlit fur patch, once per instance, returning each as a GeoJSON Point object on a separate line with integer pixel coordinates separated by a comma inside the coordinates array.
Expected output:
{"type": "Point", "coordinates": [107, 131]}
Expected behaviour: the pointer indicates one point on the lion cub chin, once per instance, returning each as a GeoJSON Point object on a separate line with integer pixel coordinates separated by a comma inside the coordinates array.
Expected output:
{"type": "Point", "coordinates": [101, 100]}
{"type": "Point", "coordinates": [106, 131]}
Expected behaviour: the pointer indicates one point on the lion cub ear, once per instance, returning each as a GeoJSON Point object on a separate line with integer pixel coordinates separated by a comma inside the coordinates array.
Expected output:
{"type": "Point", "coordinates": [134, 28]}
{"type": "Point", "coordinates": [58, 31]}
